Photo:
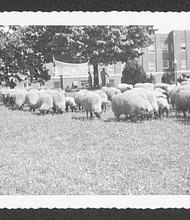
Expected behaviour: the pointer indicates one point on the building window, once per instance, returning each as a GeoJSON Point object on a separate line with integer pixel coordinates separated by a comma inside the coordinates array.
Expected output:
{"type": "Point", "coordinates": [183, 64]}
{"type": "Point", "coordinates": [152, 65]}
{"type": "Point", "coordinates": [56, 84]}
{"type": "Point", "coordinates": [165, 64]}
{"type": "Point", "coordinates": [165, 48]}
{"type": "Point", "coordinates": [151, 49]}
{"type": "Point", "coordinates": [183, 46]}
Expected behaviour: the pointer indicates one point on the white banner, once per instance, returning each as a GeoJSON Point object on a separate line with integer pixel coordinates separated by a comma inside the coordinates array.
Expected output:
{"type": "Point", "coordinates": [70, 69]}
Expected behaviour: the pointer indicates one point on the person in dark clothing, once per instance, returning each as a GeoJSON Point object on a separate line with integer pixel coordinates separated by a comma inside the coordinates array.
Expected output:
{"type": "Point", "coordinates": [103, 75]}
{"type": "Point", "coordinates": [152, 78]}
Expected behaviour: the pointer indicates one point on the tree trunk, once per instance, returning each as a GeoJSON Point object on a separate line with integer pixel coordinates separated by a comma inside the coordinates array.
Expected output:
{"type": "Point", "coordinates": [96, 79]}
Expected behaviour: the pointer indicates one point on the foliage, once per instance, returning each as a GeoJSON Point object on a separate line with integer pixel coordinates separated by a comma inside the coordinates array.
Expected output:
{"type": "Point", "coordinates": [133, 73]}
{"type": "Point", "coordinates": [18, 59]}
{"type": "Point", "coordinates": [98, 44]}
{"type": "Point", "coordinates": [106, 44]}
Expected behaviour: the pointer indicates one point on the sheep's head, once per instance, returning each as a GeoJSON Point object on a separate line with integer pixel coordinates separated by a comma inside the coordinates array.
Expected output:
{"type": "Point", "coordinates": [98, 114]}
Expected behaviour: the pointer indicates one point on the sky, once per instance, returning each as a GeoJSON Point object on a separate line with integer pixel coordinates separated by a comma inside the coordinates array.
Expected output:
{"type": "Point", "coordinates": [163, 21]}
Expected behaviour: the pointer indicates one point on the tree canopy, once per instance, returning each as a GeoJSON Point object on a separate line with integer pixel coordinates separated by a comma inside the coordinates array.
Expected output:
{"type": "Point", "coordinates": [99, 45]}
{"type": "Point", "coordinates": [19, 60]}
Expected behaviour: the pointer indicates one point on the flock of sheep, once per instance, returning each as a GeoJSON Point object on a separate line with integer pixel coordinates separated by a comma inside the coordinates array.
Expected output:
{"type": "Point", "coordinates": [143, 100]}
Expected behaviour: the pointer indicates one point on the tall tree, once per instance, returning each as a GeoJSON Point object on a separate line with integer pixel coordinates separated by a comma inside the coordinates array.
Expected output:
{"type": "Point", "coordinates": [98, 44]}
{"type": "Point", "coordinates": [18, 58]}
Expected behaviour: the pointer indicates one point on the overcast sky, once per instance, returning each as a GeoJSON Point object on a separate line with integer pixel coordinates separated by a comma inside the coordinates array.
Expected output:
{"type": "Point", "coordinates": [165, 22]}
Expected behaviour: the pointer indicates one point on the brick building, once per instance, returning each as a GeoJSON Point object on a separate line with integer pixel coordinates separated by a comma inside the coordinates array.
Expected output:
{"type": "Point", "coordinates": [169, 53]}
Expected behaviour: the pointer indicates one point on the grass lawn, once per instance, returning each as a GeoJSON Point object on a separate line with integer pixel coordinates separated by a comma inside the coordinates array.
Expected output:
{"type": "Point", "coordinates": [68, 154]}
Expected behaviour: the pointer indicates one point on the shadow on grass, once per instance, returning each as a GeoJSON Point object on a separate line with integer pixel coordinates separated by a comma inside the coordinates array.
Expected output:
{"type": "Point", "coordinates": [182, 120]}
{"type": "Point", "coordinates": [126, 120]}
{"type": "Point", "coordinates": [83, 118]}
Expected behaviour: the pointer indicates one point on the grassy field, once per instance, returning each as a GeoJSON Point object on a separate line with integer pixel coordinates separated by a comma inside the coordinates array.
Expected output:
{"type": "Point", "coordinates": [68, 154]}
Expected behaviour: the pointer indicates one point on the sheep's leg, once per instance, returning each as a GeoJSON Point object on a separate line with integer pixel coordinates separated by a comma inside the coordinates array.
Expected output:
{"type": "Point", "coordinates": [160, 113]}
{"type": "Point", "coordinates": [91, 115]}
{"type": "Point", "coordinates": [66, 109]}
{"type": "Point", "coordinates": [184, 114]}
{"type": "Point", "coordinates": [87, 114]}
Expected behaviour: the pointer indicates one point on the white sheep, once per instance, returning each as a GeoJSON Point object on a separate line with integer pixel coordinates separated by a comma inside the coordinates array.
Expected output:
{"type": "Point", "coordinates": [45, 101]}
{"type": "Point", "coordinates": [92, 103]}
{"type": "Point", "coordinates": [163, 106]}
{"type": "Point", "coordinates": [160, 90]}
{"type": "Point", "coordinates": [124, 87]}
{"type": "Point", "coordinates": [133, 104]}
{"type": "Point", "coordinates": [18, 97]}
{"type": "Point", "coordinates": [79, 96]}
{"type": "Point", "coordinates": [104, 98]}
{"type": "Point", "coordinates": [151, 98]}
{"type": "Point", "coordinates": [110, 92]}
{"type": "Point", "coordinates": [148, 86]}
{"type": "Point", "coordinates": [32, 98]}
{"type": "Point", "coordinates": [70, 102]}
{"type": "Point", "coordinates": [182, 101]}
{"type": "Point", "coordinates": [162, 85]}
{"type": "Point", "coordinates": [58, 98]}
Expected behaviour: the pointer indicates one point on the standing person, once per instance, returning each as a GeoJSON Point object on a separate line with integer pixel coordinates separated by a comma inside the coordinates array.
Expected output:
{"type": "Point", "coordinates": [103, 75]}
{"type": "Point", "coordinates": [90, 80]}
{"type": "Point", "coordinates": [152, 78]}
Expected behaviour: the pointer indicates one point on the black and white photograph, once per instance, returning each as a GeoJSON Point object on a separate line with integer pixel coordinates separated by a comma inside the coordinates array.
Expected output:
{"type": "Point", "coordinates": [95, 104]}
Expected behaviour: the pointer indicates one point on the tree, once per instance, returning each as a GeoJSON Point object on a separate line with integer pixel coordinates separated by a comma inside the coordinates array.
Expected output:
{"type": "Point", "coordinates": [133, 73]}
{"type": "Point", "coordinates": [98, 44]}
{"type": "Point", "coordinates": [18, 59]}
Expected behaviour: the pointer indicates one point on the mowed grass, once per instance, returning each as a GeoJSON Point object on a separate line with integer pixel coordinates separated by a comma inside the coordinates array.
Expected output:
{"type": "Point", "coordinates": [68, 154]}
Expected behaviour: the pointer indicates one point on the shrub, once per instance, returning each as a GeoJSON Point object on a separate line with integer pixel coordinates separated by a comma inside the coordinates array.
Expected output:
{"type": "Point", "coordinates": [133, 73]}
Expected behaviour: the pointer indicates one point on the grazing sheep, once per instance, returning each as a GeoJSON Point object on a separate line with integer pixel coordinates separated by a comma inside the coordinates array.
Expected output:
{"type": "Point", "coordinates": [185, 83]}
{"type": "Point", "coordinates": [32, 98]}
{"type": "Point", "coordinates": [110, 92]}
{"type": "Point", "coordinates": [104, 98]}
{"type": "Point", "coordinates": [4, 92]}
{"type": "Point", "coordinates": [70, 102]}
{"type": "Point", "coordinates": [182, 101]}
{"type": "Point", "coordinates": [163, 106]}
{"type": "Point", "coordinates": [58, 100]}
{"type": "Point", "coordinates": [172, 96]}
{"type": "Point", "coordinates": [162, 85]}
{"type": "Point", "coordinates": [148, 86]}
{"type": "Point", "coordinates": [92, 103]}
{"type": "Point", "coordinates": [151, 98]}
{"type": "Point", "coordinates": [134, 104]}
{"type": "Point", "coordinates": [79, 96]}
{"type": "Point", "coordinates": [169, 88]}
{"type": "Point", "coordinates": [159, 94]}
{"type": "Point", "coordinates": [45, 101]}
{"type": "Point", "coordinates": [18, 97]}
{"type": "Point", "coordinates": [124, 87]}
{"type": "Point", "coordinates": [160, 90]}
